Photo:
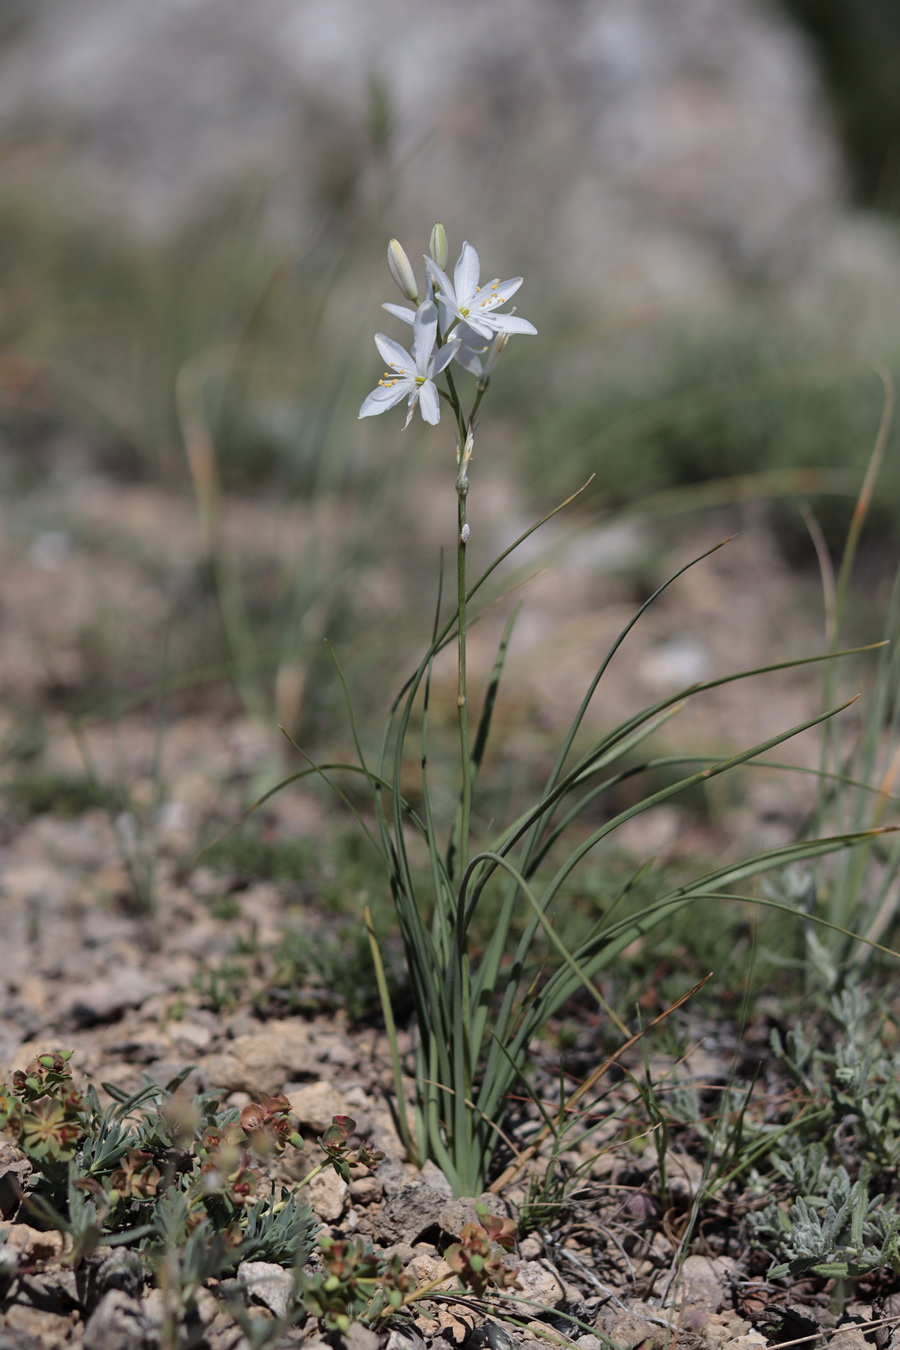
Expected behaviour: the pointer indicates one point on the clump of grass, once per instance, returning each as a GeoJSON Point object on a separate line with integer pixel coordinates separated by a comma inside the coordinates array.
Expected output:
{"type": "Point", "coordinates": [478, 1007]}
{"type": "Point", "coordinates": [42, 790]}
{"type": "Point", "coordinates": [718, 410]}
{"type": "Point", "coordinates": [252, 852]}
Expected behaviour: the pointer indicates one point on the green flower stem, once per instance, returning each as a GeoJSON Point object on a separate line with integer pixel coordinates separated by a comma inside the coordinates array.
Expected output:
{"type": "Point", "coordinates": [462, 488]}
{"type": "Point", "coordinates": [464, 454]}
{"type": "Point", "coordinates": [314, 1172]}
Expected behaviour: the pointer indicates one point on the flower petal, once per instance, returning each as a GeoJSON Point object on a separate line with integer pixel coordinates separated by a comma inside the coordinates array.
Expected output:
{"type": "Point", "coordinates": [465, 274]}
{"type": "Point", "coordinates": [413, 400]}
{"type": "Point", "coordinates": [400, 312]}
{"type": "Point", "coordinates": [382, 398]}
{"type": "Point", "coordinates": [466, 358]}
{"type": "Point", "coordinates": [511, 323]}
{"type": "Point", "coordinates": [442, 281]}
{"type": "Point", "coordinates": [482, 323]}
{"type": "Point", "coordinates": [394, 355]}
{"type": "Point", "coordinates": [444, 356]}
{"type": "Point", "coordinates": [424, 334]}
{"type": "Point", "coordinates": [507, 288]}
{"type": "Point", "coordinates": [489, 324]}
{"type": "Point", "coordinates": [430, 403]}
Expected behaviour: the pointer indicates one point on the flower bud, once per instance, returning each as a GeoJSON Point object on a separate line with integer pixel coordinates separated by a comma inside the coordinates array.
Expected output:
{"type": "Point", "coordinates": [438, 245]}
{"type": "Point", "coordinates": [401, 271]}
{"type": "Point", "coordinates": [497, 348]}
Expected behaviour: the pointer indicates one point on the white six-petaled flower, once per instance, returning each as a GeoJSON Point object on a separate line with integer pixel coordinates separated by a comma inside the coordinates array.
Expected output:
{"type": "Point", "coordinates": [471, 346]}
{"type": "Point", "coordinates": [411, 376]}
{"type": "Point", "coordinates": [464, 316]}
{"type": "Point", "coordinates": [473, 305]}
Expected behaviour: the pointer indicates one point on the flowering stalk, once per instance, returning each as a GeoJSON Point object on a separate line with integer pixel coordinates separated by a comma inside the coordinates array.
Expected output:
{"type": "Point", "coordinates": [462, 538]}
{"type": "Point", "coordinates": [458, 321]}
{"type": "Point", "coordinates": [457, 324]}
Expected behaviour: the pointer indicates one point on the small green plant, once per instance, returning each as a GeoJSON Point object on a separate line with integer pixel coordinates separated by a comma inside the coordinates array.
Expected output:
{"type": "Point", "coordinates": [221, 985]}
{"type": "Point", "coordinates": [478, 1005]}
{"type": "Point", "coordinates": [850, 1080]}
{"type": "Point", "coordinates": [838, 1162]}
{"type": "Point", "coordinates": [178, 1179]}
{"type": "Point", "coordinates": [354, 1284]}
{"type": "Point", "coordinates": [838, 1230]}
{"type": "Point", "coordinates": [340, 967]}
{"type": "Point", "coordinates": [478, 1256]}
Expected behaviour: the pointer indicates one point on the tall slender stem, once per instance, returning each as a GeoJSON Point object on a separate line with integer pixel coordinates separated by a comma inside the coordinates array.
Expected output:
{"type": "Point", "coordinates": [462, 490]}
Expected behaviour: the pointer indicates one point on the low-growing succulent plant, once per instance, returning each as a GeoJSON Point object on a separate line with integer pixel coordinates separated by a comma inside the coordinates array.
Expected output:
{"type": "Point", "coordinates": [355, 1284]}
{"type": "Point", "coordinates": [174, 1177]}
{"type": "Point", "coordinates": [478, 1258]}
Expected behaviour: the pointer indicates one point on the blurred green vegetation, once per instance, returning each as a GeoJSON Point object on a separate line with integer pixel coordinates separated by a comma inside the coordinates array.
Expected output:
{"type": "Point", "coordinates": [97, 329]}
{"type": "Point", "coordinates": [748, 403]}
{"type": "Point", "coordinates": [218, 337]}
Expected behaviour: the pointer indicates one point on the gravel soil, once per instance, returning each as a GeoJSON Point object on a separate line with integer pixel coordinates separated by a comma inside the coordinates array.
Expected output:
{"type": "Point", "coordinates": [116, 948]}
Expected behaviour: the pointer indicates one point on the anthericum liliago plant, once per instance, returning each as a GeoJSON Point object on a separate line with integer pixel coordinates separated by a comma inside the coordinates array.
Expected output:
{"type": "Point", "coordinates": [477, 1010]}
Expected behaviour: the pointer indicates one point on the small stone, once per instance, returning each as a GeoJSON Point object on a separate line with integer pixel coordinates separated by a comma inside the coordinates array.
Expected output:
{"type": "Point", "coordinates": [263, 1060]}
{"type": "Point", "coordinates": [628, 1331]}
{"type": "Point", "coordinates": [455, 1323]}
{"type": "Point", "coordinates": [14, 1171]}
{"type": "Point", "coordinates": [26, 1328]}
{"type": "Point", "coordinates": [193, 1034]}
{"type": "Point", "coordinates": [432, 1175]}
{"type": "Point", "coordinates": [33, 1247]}
{"type": "Point", "coordinates": [530, 1248]}
{"type": "Point", "coordinates": [315, 1105]}
{"type": "Point", "coordinates": [455, 1214]}
{"type": "Point", "coordinates": [403, 1251]}
{"type": "Point", "coordinates": [704, 1280]}
{"type": "Point", "coordinates": [267, 1284]}
{"type": "Point", "coordinates": [404, 1338]}
{"type": "Point", "coordinates": [358, 1337]}
{"type": "Point", "coordinates": [424, 1267]}
{"type": "Point", "coordinates": [409, 1212]}
{"type": "Point", "coordinates": [366, 1190]}
{"type": "Point", "coordinates": [121, 1269]}
{"type": "Point", "coordinates": [541, 1283]}
{"type": "Point", "coordinates": [729, 1331]}
{"type": "Point", "coordinates": [329, 1196]}
{"type": "Point", "coordinates": [117, 1323]}
{"type": "Point", "coordinates": [106, 1000]}
{"type": "Point", "coordinates": [55, 1290]}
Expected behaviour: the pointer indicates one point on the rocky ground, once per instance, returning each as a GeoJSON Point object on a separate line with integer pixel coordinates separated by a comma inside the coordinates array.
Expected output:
{"type": "Point", "coordinates": [116, 948]}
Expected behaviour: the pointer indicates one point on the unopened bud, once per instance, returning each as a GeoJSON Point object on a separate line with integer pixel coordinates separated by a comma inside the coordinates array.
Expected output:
{"type": "Point", "coordinates": [497, 348]}
{"type": "Point", "coordinates": [438, 245]}
{"type": "Point", "coordinates": [401, 270]}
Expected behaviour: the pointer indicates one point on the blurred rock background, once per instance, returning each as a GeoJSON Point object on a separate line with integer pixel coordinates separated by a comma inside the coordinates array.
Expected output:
{"type": "Point", "coordinates": [195, 197]}
{"type": "Point", "coordinates": [648, 149]}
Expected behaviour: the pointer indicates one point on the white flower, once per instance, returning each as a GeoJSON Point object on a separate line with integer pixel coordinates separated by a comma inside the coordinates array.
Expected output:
{"type": "Point", "coordinates": [475, 305]}
{"type": "Point", "coordinates": [471, 346]}
{"type": "Point", "coordinates": [413, 375]}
